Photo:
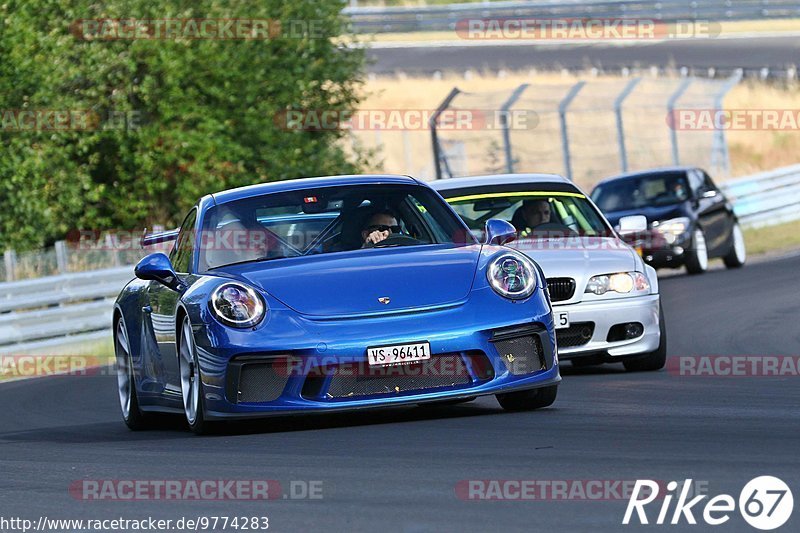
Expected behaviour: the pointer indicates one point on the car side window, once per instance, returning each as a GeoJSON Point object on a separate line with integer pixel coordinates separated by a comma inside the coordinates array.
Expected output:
{"type": "Point", "coordinates": [420, 223]}
{"type": "Point", "coordinates": [696, 182]}
{"type": "Point", "coordinates": [708, 183]}
{"type": "Point", "coordinates": [181, 255]}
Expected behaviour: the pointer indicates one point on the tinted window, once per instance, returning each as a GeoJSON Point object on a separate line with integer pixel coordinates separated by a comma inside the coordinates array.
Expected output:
{"type": "Point", "coordinates": [663, 188]}
{"type": "Point", "coordinates": [708, 183]}
{"type": "Point", "coordinates": [181, 255]}
{"type": "Point", "coordinates": [696, 182]}
{"type": "Point", "coordinates": [326, 220]}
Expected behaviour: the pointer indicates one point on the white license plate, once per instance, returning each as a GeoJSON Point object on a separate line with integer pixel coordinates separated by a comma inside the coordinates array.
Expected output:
{"type": "Point", "coordinates": [561, 318]}
{"type": "Point", "coordinates": [398, 354]}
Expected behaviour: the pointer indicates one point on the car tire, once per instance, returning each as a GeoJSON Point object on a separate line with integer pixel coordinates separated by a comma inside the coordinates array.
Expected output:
{"type": "Point", "coordinates": [528, 400]}
{"type": "Point", "coordinates": [737, 255]}
{"type": "Point", "coordinates": [654, 360]}
{"type": "Point", "coordinates": [697, 257]}
{"type": "Point", "coordinates": [191, 382]}
{"type": "Point", "coordinates": [133, 416]}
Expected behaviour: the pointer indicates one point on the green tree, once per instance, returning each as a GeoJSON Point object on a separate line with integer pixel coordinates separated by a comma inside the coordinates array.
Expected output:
{"type": "Point", "coordinates": [199, 115]}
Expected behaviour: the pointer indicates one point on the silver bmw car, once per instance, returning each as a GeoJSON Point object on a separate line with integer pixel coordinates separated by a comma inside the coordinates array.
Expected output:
{"type": "Point", "coordinates": [605, 298]}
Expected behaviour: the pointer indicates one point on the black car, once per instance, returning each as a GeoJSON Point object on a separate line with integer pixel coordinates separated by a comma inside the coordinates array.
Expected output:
{"type": "Point", "coordinates": [689, 220]}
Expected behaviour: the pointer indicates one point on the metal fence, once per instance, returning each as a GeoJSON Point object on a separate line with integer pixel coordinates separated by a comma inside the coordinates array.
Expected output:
{"type": "Point", "coordinates": [446, 17]}
{"type": "Point", "coordinates": [585, 130]}
{"type": "Point", "coordinates": [47, 312]}
{"type": "Point", "coordinates": [767, 198]}
{"type": "Point", "coordinates": [80, 255]}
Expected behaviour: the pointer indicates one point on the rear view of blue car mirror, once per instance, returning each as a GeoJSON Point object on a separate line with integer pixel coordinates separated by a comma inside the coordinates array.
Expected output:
{"type": "Point", "coordinates": [158, 267]}
{"type": "Point", "coordinates": [499, 232]}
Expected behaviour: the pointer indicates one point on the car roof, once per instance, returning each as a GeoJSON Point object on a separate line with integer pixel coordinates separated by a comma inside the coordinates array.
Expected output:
{"type": "Point", "coordinates": [495, 179]}
{"type": "Point", "coordinates": [309, 183]}
{"type": "Point", "coordinates": [504, 182]}
{"type": "Point", "coordinates": [647, 172]}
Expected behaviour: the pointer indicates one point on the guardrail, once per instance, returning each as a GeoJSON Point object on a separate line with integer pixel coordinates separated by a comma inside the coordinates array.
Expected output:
{"type": "Point", "coordinates": [767, 198]}
{"type": "Point", "coordinates": [69, 308]}
{"type": "Point", "coordinates": [445, 17]}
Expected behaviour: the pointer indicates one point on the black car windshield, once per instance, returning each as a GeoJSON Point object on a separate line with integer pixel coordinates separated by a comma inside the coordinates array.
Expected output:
{"type": "Point", "coordinates": [647, 190]}
{"type": "Point", "coordinates": [534, 214]}
{"type": "Point", "coordinates": [326, 220]}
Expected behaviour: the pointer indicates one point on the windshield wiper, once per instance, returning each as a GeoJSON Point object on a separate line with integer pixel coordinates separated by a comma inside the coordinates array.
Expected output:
{"type": "Point", "coordinates": [256, 260]}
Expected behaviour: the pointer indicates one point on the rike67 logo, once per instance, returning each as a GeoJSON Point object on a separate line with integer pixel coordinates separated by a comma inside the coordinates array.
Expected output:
{"type": "Point", "coordinates": [765, 503]}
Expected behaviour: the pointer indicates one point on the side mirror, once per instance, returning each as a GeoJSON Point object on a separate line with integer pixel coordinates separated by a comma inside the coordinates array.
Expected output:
{"type": "Point", "coordinates": [709, 193]}
{"type": "Point", "coordinates": [157, 267]}
{"type": "Point", "coordinates": [499, 232]}
{"type": "Point", "coordinates": [632, 224]}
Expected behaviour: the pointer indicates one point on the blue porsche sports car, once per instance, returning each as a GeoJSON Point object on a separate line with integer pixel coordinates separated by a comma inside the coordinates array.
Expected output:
{"type": "Point", "coordinates": [329, 294]}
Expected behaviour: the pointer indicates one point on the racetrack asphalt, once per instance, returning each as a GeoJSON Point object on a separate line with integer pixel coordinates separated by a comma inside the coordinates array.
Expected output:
{"type": "Point", "coordinates": [751, 53]}
{"type": "Point", "coordinates": [397, 470]}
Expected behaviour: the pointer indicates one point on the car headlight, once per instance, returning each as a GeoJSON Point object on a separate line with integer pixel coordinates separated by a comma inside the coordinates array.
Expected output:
{"type": "Point", "coordinates": [237, 305]}
{"type": "Point", "coordinates": [512, 276]}
{"type": "Point", "coordinates": [621, 282]}
{"type": "Point", "coordinates": [672, 228]}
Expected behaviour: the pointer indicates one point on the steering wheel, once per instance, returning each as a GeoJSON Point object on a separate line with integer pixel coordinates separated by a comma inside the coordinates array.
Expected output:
{"type": "Point", "coordinates": [395, 239]}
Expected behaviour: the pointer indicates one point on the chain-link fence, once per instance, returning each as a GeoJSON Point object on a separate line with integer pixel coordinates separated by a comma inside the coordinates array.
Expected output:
{"type": "Point", "coordinates": [585, 130]}
{"type": "Point", "coordinates": [78, 255]}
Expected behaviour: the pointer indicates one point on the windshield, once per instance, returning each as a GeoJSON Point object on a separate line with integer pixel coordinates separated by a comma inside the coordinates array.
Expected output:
{"type": "Point", "coordinates": [326, 220]}
{"type": "Point", "coordinates": [664, 188]}
{"type": "Point", "coordinates": [534, 214]}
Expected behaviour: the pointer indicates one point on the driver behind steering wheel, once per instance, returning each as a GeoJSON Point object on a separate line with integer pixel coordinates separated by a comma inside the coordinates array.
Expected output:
{"type": "Point", "coordinates": [378, 226]}
{"type": "Point", "coordinates": [534, 213]}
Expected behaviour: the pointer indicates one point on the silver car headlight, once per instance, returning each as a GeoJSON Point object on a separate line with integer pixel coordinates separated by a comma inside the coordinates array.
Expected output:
{"type": "Point", "coordinates": [621, 282]}
{"type": "Point", "coordinates": [237, 305]}
{"type": "Point", "coordinates": [512, 276]}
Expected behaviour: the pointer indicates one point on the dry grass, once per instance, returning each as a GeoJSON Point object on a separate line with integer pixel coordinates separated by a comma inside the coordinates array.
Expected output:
{"type": "Point", "coordinates": [783, 237]}
{"type": "Point", "coordinates": [752, 151]}
{"type": "Point", "coordinates": [409, 152]}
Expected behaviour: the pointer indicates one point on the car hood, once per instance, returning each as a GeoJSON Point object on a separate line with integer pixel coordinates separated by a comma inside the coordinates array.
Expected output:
{"type": "Point", "coordinates": [571, 257]}
{"type": "Point", "coordinates": [652, 213]}
{"type": "Point", "coordinates": [350, 283]}
{"type": "Point", "coordinates": [580, 258]}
